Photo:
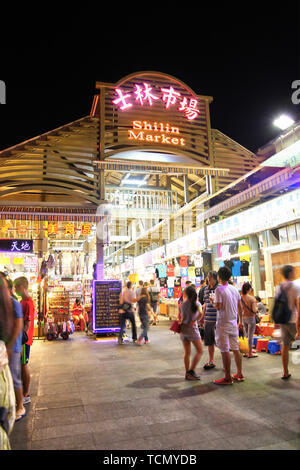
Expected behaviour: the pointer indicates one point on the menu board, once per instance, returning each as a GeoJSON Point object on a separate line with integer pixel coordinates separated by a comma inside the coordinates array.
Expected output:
{"type": "Point", "coordinates": [106, 300]}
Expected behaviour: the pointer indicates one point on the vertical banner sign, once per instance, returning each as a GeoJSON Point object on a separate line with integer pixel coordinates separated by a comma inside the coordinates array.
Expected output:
{"type": "Point", "coordinates": [106, 317]}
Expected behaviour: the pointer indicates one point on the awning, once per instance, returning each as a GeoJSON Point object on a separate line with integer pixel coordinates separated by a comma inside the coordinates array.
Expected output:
{"type": "Point", "coordinates": [57, 214]}
{"type": "Point", "coordinates": [154, 168]}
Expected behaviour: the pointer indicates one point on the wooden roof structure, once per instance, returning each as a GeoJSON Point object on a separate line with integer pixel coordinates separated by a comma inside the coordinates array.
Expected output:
{"type": "Point", "coordinates": [58, 170]}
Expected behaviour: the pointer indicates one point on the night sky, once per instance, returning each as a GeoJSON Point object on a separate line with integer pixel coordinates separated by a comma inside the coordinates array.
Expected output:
{"type": "Point", "coordinates": [246, 59]}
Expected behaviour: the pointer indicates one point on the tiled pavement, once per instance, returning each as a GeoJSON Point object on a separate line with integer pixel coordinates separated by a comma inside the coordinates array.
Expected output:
{"type": "Point", "coordinates": [89, 394]}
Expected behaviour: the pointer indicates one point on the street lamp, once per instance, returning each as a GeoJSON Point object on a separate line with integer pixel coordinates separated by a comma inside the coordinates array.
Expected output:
{"type": "Point", "coordinates": [283, 122]}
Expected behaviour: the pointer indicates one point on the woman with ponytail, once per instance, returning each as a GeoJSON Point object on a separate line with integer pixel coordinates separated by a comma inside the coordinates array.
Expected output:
{"type": "Point", "coordinates": [190, 312]}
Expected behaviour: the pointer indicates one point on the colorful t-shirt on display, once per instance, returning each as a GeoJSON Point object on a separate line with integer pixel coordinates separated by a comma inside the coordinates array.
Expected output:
{"type": "Point", "coordinates": [191, 272]}
{"type": "Point", "coordinates": [170, 270]}
{"type": "Point", "coordinates": [244, 249]}
{"type": "Point", "coordinates": [245, 268]}
{"type": "Point", "coordinates": [236, 270]}
{"type": "Point", "coordinates": [198, 272]}
{"type": "Point", "coordinates": [170, 291]}
{"type": "Point", "coordinates": [183, 262]}
{"type": "Point", "coordinates": [162, 270]}
{"type": "Point", "coordinates": [184, 272]}
{"type": "Point", "coordinates": [177, 292]}
{"type": "Point", "coordinates": [28, 315]}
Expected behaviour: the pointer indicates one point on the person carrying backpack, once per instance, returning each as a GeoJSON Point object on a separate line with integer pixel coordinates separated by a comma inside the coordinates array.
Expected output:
{"type": "Point", "coordinates": [154, 293]}
{"type": "Point", "coordinates": [286, 313]}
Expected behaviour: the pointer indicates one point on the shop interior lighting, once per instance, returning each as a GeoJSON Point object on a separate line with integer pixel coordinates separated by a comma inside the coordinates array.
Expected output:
{"type": "Point", "coordinates": [238, 255]}
{"type": "Point", "coordinates": [283, 122]}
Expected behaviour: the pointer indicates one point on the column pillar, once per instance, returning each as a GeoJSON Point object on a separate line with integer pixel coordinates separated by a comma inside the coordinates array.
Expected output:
{"type": "Point", "coordinates": [254, 246]}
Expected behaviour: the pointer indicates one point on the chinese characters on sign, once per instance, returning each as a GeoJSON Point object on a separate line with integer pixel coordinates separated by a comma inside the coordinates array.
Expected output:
{"type": "Point", "coordinates": [170, 97]}
{"type": "Point", "coordinates": [16, 246]}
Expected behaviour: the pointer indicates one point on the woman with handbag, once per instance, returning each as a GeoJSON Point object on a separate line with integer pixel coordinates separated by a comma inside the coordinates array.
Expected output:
{"type": "Point", "coordinates": [189, 313]}
{"type": "Point", "coordinates": [249, 307]}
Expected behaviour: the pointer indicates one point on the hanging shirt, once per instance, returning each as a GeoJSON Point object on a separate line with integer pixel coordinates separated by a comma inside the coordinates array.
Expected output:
{"type": "Point", "coordinates": [236, 270]}
{"type": "Point", "coordinates": [244, 249]}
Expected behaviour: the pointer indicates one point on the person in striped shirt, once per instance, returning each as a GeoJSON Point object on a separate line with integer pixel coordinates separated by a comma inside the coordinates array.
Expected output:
{"type": "Point", "coordinates": [209, 316]}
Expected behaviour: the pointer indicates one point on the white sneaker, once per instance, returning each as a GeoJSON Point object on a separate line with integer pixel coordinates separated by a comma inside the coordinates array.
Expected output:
{"type": "Point", "coordinates": [26, 400]}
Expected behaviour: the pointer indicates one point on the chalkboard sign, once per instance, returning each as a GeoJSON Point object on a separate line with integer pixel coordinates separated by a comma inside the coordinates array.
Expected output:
{"type": "Point", "coordinates": [106, 299]}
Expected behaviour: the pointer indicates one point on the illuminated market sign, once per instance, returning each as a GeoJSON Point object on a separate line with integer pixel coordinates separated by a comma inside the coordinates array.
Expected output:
{"type": "Point", "coordinates": [157, 132]}
{"type": "Point", "coordinates": [16, 246]}
{"type": "Point", "coordinates": [143, 95]}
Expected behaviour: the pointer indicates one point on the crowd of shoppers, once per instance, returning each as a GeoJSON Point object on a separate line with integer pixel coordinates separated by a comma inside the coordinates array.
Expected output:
{"type": "Point", "coordinates": [225, 314]}
{"type": "Point", "coordinates": [16, 334]}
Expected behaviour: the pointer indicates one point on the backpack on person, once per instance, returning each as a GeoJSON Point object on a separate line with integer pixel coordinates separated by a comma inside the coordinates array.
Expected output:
{"type": "Point", "coordinates": [281, 312]}
{"type": "Point", "coordinates": [153, 295]}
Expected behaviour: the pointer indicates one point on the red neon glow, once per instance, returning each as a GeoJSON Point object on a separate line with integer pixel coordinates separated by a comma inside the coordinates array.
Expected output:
{"type": "Point", "coordinates": [144, 95]}
{"type": "Point", "coordinates": [191, 111]}
{"type": "Point", "coordinates": [122, 99]}
{"type": "Point", "coordinates": [170, 96]}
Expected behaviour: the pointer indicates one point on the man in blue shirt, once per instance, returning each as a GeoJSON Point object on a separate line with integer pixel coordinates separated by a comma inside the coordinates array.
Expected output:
{"type": "Point", "coordinates": [14, 349]}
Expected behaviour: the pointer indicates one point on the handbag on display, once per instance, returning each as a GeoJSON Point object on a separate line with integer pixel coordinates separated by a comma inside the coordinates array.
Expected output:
{"type": "Point", "coordinates": [176, 327]}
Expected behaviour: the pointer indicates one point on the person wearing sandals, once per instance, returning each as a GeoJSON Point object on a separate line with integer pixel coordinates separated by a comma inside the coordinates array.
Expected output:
{"type": "Point", "coordinates": [229, 321]}
{"type": "Point", "coordinates": [249, 307]}
{"type": "Point", "coordinates": [209, 315]}
{"type": "Point", "coordinates": [190, 312]}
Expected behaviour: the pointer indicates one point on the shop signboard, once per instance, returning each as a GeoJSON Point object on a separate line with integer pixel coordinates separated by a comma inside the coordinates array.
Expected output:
{"type": "Point", "coordinates": [16, 246]}
{"type": "Point", "coordinates": [195, 241]}
{"type": "Point", "coordinates": [271, 214]}
{"type": "Point", "coordinates": [106, 317]}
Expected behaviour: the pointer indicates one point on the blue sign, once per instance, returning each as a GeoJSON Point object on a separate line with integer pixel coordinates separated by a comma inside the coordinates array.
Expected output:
{"type": "Point", "coordinates": [16, 246]}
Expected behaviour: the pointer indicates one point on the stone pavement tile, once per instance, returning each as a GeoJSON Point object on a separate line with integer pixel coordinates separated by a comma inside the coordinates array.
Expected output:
{"type": "Point", "coordinates": [61, 431]}
{"type": "Point", "coordinates": [170, 415]}
{"type": "Point", "coordinates": [288, 420]}
{"type": "Point", "coordinates": [58, 401]}
{"type": "Point", "coordinates": [212, 444]}
{"type": "Point", "coordinates": [256, 439]}
{"type": "Point", "coordinates": [59, 416]}
{"type": "Point", "coordinates": [56, 378]}
{"type": "Point", "coordinates": [97, 413]}
{"type": "Point", "coordinates": [126, 423]}
{"type": "Point", "coordinates": [284, 445]}
{"type": "Point", "coordinates": [238, 427]}
{"type": "Point", "coordinates": [131, 444]}
{"type": "Point", "coordinates": [54, 388]}
{"type": "Point", "coordinates": [75, 442]}
{"type": "Point", "coordinates": [175, 427]}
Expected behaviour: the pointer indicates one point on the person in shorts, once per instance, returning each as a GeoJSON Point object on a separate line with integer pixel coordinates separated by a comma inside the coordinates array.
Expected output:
{"type": "Point", "coordinates": [209, 315]}
{"type": "Point", "coordinates": [21, 286]}
{"type": "Point", "coordinates": [291, 330]}
{"type": "Point", "coordinates": [229, 321]}
{"type": "Point", "coordinates": [190, 312]}
{"type": "Point", "coordinates": [154, 293]}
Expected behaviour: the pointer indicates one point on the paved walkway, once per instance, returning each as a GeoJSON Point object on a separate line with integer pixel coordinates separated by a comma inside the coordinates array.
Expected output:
{"type": "Point", "coordinates": [90, 394]}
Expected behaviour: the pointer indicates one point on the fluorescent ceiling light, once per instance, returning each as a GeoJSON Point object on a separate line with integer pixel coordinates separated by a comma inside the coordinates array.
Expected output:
{"type": "Point", "coordinates": [283, 122]}
{"type": "Point", "coordinates": [134, 182]}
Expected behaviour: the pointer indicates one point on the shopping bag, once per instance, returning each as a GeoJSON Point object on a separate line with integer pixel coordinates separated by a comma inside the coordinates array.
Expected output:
{"type": "Point", "coordinates": [243, 345]}
{"type": "Point", "coordinates": [175, 326]}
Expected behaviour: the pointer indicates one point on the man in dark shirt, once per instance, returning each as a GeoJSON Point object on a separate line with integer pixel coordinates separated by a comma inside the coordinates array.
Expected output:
{"type": "Point", "coordinates": [209, 314]}
{"type": "Point", "coordinates": [201, 291]}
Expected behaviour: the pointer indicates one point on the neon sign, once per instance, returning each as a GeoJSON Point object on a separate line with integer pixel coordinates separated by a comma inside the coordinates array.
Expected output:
{"type": "Point", "coordinates": [144, 95]}
{"type": "Point", "coordinates": [16, 246]}
{"type": "Point", "coordinates": [155, 132]}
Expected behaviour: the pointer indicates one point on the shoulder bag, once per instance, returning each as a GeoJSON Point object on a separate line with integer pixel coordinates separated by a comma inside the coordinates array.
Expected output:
{"type": "Point", "coordinates": [257, 319]}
